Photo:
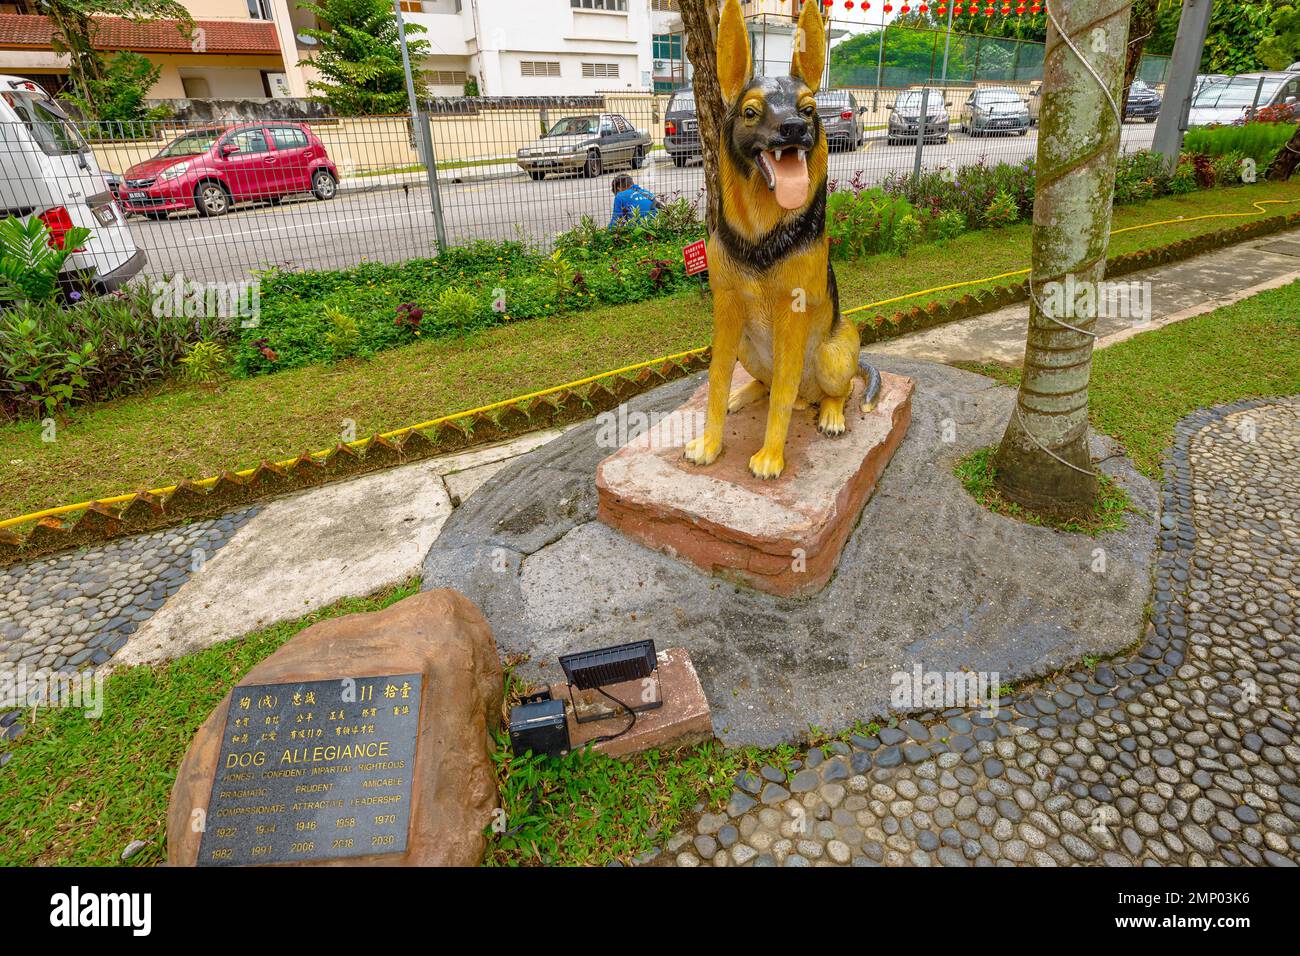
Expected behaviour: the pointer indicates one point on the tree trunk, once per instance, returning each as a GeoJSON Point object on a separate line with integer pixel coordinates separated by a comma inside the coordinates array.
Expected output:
{"type": "Point", "coordinates": [1142, 21]}
{"type": "Point", "coordinates": [1043, 462]}
{"type": "Point", "coordinates": [700, 21]}
{"type": "Point", "coordinates": [1284, 164]}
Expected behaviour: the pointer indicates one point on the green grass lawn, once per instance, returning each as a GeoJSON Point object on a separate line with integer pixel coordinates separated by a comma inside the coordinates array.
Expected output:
{"type": "Point", "coordinates": [1140, 388]}
{"type": "Point", "coordinates": [174, 432]}
{"type": "Point", "coordinates": [77, 791]}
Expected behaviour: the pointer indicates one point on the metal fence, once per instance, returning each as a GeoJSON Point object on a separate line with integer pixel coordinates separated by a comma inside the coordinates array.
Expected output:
{"type": "Point", "coordinates": [334, 193]}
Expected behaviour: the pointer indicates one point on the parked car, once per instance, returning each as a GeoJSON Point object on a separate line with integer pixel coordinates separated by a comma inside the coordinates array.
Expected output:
{"type": "Point", "coordinates": [682, 128]}
{"type": "Point", "coordinates": [994, 109]}
{"type": "Point", "coordinates": [47, 170]}
{"type": "Point", "coordinates": [590, 144]}
{"type": "Point", "coordinates": [1206, 79]}
{"type": "Point", "coordinates": [1143, 103]}
{"type": "Point", "coordinates": [839, 112]}
{"type": "Point", "coordinates": [1231, 99]}
{"type": "Point", "coordinates": [904, 118]}
{"type": "Point", "coordinates": [1034, 101]}
{"type": "Point", "coordinates": [212, 169]}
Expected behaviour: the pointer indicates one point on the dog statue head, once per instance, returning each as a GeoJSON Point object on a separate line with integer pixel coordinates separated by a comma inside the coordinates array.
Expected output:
{"type": "Point", "coordinates": [771, 128]}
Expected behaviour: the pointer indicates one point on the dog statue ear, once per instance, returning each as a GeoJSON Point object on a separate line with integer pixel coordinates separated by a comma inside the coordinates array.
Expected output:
{"type": "Point", "coordinates": [734, 64]}
{"type": "Point", "coordinates": [809, 57]}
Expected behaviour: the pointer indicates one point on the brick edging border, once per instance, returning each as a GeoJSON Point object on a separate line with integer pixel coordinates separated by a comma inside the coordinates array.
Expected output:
{"type": "Point", "coordinates": [145, 511]}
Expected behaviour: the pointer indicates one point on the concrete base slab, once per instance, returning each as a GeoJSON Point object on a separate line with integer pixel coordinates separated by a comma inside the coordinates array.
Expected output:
{"type": "Point", "coordinates": [782, 536]}
{"type": "Point", "coordinates": [682, 719]}
{"type": "Point", "coordinates": [928, 577]}
{"type": "Point", "coordinates": [297, 555]}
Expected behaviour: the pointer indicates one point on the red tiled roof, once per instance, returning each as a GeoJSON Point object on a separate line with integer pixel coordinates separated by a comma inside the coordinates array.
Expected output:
{"type": "Point", "coordinates": [20, 31]}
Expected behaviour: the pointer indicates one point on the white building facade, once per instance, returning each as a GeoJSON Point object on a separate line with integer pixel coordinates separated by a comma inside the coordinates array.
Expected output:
{"type": "Point", "coordinates": [536, 47]}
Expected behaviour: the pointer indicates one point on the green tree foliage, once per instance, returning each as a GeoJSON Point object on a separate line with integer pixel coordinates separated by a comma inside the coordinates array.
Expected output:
{"type": "Point", "coordinates": [359, 58]}
{"type": "Point", "coordinates": [1283, 48]}
{"type": "Point", "coordinates": [1236, 39]}
{"type": "Point", "coordinates": [118, 93]}
{"type": "Point", "coordinates": [911, 56]}
{"type": "Point", "coordinates": [95, 81]}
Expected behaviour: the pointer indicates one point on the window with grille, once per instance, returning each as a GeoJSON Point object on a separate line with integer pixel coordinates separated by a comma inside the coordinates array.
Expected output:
{"type": "Point", "coordinates": [447, 77]}
{"type": "Point", "coordinates": [599, 70]}
{"type": "Point", "coordinates": [539, 68]}
{"type": "Point", "coordinates": [664, 6]}
{"type": "Point", "coordinates": [614, 6]}
{"type": "Point", "coordinates": [667, 46]}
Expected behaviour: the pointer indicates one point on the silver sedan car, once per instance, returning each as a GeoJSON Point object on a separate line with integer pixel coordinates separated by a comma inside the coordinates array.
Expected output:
{"type": "Point", "coordinates": [587, 144]}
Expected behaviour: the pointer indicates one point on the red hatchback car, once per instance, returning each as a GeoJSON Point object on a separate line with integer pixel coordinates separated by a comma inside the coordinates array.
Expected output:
{"type": "Point", "coordinates": [212, 169]}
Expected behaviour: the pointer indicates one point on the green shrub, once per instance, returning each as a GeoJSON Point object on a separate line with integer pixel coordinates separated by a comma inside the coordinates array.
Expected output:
{"type": "Point", "coordinates": [1229, 169]}
{"type": "Point", "coordinates": [1260, 141]}
{"type": "Point", "coordinates": [949, 224]}
{"type": "Point", "coordinates": [29, 261]}
{"type": "Point", "coordinates": [343, 335]}
{"type": "Point", "coordinates": [455, 308]}
{"type": "Point", "coordinates": [1001, 211]}
{"type": "Point", "coordinates": [205, 362]}
{"type": "Point", "coordinates": [1139, 176]}
{"type": "Point", "coordinates": [868, 222]}
{"type": "Point", "coordinates": [100, 347]}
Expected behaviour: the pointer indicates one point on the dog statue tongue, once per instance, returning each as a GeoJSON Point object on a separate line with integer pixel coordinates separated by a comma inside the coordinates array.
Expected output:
{"type": "Point", "coordinates": [790, 176]}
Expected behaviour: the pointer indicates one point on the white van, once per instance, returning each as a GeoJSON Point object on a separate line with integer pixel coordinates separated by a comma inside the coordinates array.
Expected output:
{"type": "Point", "coordinates": [47, 170]}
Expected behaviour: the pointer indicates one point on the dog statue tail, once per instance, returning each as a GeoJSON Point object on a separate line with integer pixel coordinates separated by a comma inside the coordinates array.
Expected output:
{"type": "Point", "coordinates": [871, 380]}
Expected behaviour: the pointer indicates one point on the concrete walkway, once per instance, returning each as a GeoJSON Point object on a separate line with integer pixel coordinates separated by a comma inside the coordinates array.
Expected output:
{"type": "Point", "coordinates": [1175, 292]}
{"type": "Point", "coordinates": [290, 556]}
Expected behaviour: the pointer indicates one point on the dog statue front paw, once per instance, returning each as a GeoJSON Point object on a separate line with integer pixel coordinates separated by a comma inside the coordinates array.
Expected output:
{"type": "Point", "coordinates": [767, 464]}
{"type": "Point", "coordinates": [703, 450]}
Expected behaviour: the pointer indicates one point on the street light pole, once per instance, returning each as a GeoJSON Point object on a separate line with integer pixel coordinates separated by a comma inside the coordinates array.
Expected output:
{"type": "Point", "coordinates": [943, 80]}
{"type": "Point", "coordinates": [423, 135]}
{"type": "Point", "coordinates": [1193, 24]}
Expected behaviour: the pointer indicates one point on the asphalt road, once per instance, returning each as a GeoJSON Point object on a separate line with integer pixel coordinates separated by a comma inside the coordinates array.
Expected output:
{"type": "Point", "coordinates": [396, 224]}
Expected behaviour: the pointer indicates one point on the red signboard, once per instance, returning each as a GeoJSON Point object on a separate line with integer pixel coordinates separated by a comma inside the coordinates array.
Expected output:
{"type": "Point", "coordinates": [696, 258]}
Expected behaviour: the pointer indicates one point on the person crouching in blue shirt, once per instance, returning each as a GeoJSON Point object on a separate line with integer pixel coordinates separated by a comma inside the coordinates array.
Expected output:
{"type": "Point", "coordinates": [631, 200]}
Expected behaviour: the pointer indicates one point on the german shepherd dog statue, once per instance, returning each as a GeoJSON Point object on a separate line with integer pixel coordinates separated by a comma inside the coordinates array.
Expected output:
{"type": "Point", "coordinates": [776, 308]}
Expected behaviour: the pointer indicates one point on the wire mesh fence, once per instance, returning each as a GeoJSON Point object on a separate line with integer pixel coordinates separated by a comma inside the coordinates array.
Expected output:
{"type": "Point", "coordinates": [224, 200]}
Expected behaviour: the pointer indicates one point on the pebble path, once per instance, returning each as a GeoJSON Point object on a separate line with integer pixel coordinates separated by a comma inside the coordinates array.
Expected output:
{"type": "Point", "coordinates": [76, 610]}
{"type": "Point", "coordinates": [1186, 752]}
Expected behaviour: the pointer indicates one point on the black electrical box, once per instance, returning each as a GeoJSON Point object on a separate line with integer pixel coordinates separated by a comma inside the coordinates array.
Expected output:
{"type": "Point", "coordinates": [538, 724]}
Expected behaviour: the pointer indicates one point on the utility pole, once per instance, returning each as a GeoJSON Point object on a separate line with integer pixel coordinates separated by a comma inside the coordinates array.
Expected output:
{"type": "Point", "coordinates": [423, 135]}
{"type": "Point", "coordinates": [943, 78]}
{"type": "Point", "coordinates": [1172, 124]}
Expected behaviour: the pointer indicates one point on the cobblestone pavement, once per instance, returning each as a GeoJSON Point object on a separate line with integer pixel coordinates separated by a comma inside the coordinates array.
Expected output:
{"type": "Point", "coordinates": [1184, 753]}
{"type": "Point", "coordinates": [78, 609]}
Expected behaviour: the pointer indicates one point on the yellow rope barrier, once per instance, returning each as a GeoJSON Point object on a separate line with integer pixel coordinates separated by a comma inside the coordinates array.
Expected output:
{"type": "Point", "coordinates": [205, 482]}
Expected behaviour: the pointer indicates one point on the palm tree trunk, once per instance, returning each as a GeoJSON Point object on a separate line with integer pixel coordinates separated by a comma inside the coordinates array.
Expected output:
{"type": "Point", "coordinates": [700, 21]}
{"type": "Point", "coordinates": [1043, 461]}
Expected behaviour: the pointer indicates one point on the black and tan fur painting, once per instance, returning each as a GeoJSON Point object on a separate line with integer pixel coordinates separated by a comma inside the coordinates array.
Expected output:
{"type": "Point", "coordinates": [776, 308]}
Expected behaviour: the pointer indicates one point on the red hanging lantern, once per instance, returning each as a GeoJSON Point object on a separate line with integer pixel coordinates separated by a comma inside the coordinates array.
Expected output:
{"type": "Point", "coordinates": [904, 9]}
{"type": "Point", "coordinates": [889, 8]}
{"type": "Point", "coordinates": [1020, 10]}
{"type": "Point", "coordinates": [1037, 7]}
{"type": "Point", "coordinates": [973, 9]}
{"type": "Point", "coordinates": [1006, 9]}
{"type": "Point", "coordinates": [923, 8]}
{"type": "Point", "coordinates": [988, 11]}
{"type": "Point", "coordinates": [848, 4]}
{"type": "Point", "coordinates": [827, 3]}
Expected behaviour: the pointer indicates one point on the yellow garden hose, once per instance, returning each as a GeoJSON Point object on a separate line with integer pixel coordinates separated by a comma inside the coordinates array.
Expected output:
{"type": "Point", "coordinates": [204, 482]}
